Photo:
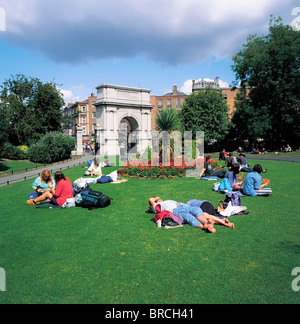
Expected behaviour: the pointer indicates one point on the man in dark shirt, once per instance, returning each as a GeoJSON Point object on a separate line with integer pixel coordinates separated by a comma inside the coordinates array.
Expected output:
{"type": "Point", "coordinates": [208, 171]}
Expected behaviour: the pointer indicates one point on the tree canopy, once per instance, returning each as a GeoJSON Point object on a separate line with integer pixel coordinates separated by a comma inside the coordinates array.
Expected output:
{"type": "Point", "coordinates": [31, 108]}
{"type": "Point", "coordinates": [206, 111]}
{"type": "Point", "coordinates": [269, 68]}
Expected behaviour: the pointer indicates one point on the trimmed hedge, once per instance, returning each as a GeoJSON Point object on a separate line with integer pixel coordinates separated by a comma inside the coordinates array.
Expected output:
{"type": "Point", "coordinates": [52, 147]}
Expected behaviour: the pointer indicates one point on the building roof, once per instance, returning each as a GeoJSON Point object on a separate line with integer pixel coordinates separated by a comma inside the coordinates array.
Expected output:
{"type": "Point", "coordinates": [175, 92]}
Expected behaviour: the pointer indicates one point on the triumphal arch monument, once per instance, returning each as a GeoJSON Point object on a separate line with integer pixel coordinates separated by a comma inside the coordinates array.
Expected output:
{"type": "Point", "coordinates": [123, 119]}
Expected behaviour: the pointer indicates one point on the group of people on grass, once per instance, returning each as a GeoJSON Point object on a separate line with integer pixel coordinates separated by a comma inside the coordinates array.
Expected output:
{"type": "Point", "coordinates": [202, 214]}
{"type": "Point", "coordinates": [253, 184]}
{"type": "Point", "coordinates": [58, 190]}
{"type": "Point", "coordinates": [199, 214]}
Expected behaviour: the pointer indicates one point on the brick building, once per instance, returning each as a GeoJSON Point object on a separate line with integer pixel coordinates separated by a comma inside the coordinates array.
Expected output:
{"type": "Point", "coordinates": [82, 113]}
{"type": "Point", "coordinates": [173, 99]}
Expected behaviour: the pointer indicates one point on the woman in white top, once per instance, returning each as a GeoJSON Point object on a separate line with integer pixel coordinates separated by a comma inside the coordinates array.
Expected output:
{"type": "Point", "coordinates": [95, 169]}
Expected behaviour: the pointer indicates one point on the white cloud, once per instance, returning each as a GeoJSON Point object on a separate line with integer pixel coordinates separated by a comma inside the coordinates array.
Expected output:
{"type": "Point", "coordinates": [69, 95]}
{"type": "Point", "coordinates": [170, 32]}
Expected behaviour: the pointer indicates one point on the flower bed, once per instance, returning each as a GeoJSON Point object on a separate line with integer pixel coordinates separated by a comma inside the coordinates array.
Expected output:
{"type": "Point", "coordinates": [154, 169]}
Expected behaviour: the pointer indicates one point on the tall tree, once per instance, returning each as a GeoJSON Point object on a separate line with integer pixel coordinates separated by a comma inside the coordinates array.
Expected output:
{"type": "Point", "coordinates": [32, 108]}
{"type": "Point", "coordinates": [269, 67]}
{"type": "Point", "coordinates": [206, 111]}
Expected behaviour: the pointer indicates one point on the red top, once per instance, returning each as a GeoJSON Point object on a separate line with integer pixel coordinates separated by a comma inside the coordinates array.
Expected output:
{"type": "Point", "coordinates": [64, 191]}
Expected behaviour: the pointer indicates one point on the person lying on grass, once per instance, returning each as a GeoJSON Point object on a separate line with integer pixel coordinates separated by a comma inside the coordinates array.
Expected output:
{"type": "Point", "coordinates": [62, 196]}
{"type": "Point", "coordinates": [43, 183]}
{"type": "Point", "coordinates": [193, 216]}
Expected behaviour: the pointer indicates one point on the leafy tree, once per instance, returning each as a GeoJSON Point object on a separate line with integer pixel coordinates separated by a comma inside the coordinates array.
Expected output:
{"type": "Point", "coordinates": [206, 111]}
{"type": "Point", "coordinates": [269, 67]}
{"type": "Point", "coordinates": [3, 129]}
{"type": "Point", "coordinates": [168, 120]}
{"type": "Point", "coordinates": [31, 108]}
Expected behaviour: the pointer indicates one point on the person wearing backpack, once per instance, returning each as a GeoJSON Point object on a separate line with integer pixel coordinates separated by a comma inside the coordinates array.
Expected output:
{"type": "Point", "coordinates": [62, 196]}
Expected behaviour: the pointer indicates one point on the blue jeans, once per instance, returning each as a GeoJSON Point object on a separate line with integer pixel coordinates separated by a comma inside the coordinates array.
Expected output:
{"type": "Point", "coordinates": [189, 214]}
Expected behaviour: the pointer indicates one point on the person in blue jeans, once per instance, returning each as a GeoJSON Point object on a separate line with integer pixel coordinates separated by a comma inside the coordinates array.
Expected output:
{"type": "Point", "coordinates": [195, 217]}
{"type": "Point", "coordinates": [192, 215]}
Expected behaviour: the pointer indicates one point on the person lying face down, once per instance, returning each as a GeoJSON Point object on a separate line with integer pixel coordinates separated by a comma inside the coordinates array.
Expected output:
{"type": "Point", "coordinates": [193, 216]}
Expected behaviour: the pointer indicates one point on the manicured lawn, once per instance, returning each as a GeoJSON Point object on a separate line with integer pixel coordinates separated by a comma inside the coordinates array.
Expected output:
{"type": "Point", "coordinates": [117, 255]}
{"type": "Point", "coordinates": [7, 167]}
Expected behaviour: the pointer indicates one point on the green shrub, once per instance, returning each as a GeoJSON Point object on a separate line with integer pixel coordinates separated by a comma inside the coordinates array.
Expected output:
{"type": "Point", "coordinates": [52, 147]}
{"type": "Point", "coordinates": [13, 153]}
{"type": "Point", "coordinates": [23, 148]}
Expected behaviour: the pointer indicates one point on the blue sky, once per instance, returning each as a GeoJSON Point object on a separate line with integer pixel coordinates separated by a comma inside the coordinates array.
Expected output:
{"type": "Point", "coordinates": [141, 43]}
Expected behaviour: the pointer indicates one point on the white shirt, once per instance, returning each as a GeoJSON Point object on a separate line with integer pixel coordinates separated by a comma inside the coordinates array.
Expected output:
{"type": "Point", "coordinates": [168, 205]}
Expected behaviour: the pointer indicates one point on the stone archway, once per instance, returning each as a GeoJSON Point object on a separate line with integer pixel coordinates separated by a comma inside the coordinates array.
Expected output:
{"type": "Point", "coordinates": [127, 106]}
{"type": "Point", "coordinates": [128, 139]}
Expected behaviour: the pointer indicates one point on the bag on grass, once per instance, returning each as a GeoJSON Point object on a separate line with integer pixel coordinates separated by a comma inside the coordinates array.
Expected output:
{"type": "Point", "coordinates": [235, 199]}
{"type": "Point", "coordinates": [104, 179]}
{"type": "Point", "coordinates": [79, 185]}
{"type": "Point", "coordinates": [94, 199]}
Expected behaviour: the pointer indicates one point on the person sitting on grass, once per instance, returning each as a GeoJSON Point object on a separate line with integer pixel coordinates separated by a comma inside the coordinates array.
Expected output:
{"type": "Point", "coordinates": [62, 196]}
{"type": "Point", "coordinates": [43, 183]}
{"type": "Point", "coordinates": [208, 171]}
{"type": "Point", "coordinates": [193, 216]}
{"type": "Point", "coordinates": [254, 184]}
{"type": "Point", "coordinates": [95, 169]}
{"type": "Point", "coordinates": [233, 177]}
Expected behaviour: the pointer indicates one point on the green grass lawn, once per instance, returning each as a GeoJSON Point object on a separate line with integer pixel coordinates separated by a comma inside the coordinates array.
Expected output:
{"type": "Point", "coordinates": [7, 167]}
{"type": "Point", "coordinates": [117, 255]}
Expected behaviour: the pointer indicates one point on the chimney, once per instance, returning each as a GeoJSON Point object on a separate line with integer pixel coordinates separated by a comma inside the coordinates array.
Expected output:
{"type": "Point", "coordinates": [193, 86]}
{"type": "Point", "coordinates": [175, 89]}
{"type": "Point", "coordinates": [218, 81]}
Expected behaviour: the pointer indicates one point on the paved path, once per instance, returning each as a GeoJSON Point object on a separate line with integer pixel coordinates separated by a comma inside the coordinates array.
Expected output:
{"type": "Point", "coordinates": [10, 179]}
{"type": "Point", "coordinates": [279, 158]}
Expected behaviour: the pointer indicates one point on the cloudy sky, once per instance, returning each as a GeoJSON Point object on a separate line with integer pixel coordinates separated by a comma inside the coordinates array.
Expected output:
{"type": "Point", "coordinates": [141, 43]}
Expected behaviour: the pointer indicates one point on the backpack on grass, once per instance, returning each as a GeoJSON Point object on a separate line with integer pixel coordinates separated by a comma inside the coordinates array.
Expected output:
{"type": "Point", "coordinates": [104, 179]}
{"type": "Point", "coordinates": [91, 199]}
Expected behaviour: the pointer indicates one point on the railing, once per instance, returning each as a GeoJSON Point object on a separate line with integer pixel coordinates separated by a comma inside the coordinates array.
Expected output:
{"type": "Point", "coordinates": [32, 174]}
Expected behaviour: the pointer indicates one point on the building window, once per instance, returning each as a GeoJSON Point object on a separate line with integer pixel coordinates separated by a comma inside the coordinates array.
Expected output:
{"type": "Point", "coordinates": [225, 95]}
{"type": "Point", "coordinates": [169, 103]}
{"type": "Point", "coordinates": [94, 115]}
{"type": "Point", "coordinates": [160, 103]}
{"type": "Point", "coordinates": [84, 130]}
{"type": "Point", "coordinates": [83, 109]}
{"type": "Point", "coordinates": [83, 120]}
{"type": "Point", "coordinates": [178, 103]}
